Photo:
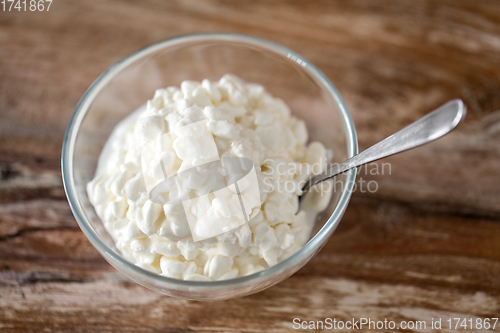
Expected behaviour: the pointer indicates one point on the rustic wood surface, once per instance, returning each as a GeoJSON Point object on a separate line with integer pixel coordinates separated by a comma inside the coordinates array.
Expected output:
{"type": "Point", "coordinates": [425, 245]}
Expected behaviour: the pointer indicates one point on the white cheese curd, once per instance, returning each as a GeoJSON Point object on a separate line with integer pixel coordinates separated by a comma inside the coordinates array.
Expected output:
{"type": "Point", "coordinates": [178, 138]}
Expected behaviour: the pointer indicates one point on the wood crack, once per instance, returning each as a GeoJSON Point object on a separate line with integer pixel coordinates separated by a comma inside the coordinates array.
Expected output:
{"type": "Point", "coordinates": [10, 278]}
{"type": "Point", "coordinates": [36, 229]}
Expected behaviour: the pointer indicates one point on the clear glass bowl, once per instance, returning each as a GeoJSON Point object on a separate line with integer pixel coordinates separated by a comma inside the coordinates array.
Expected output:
{"type": "Point", "coordinates": [132, 81]}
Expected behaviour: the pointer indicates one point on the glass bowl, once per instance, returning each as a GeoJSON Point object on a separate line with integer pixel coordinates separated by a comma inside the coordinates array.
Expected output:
{"type": "Point", "coordinates": [129, 83]}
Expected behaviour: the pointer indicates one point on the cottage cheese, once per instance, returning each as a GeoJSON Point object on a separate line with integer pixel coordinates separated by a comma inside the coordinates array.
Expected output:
{"type": "Point", "coordinates": [182, 129]}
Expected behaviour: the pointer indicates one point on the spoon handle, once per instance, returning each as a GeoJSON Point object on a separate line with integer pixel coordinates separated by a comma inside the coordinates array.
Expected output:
{"type": "Point", "coordinates": [428, 128]}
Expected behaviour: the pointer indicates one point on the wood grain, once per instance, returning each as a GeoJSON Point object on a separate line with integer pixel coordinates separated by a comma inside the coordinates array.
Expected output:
{"type": "Point", "coordinates": [425, 245]}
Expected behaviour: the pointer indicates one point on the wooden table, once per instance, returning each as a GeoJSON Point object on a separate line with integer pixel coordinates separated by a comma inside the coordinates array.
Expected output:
{"type": "Point", "coordinates": [425, 245]}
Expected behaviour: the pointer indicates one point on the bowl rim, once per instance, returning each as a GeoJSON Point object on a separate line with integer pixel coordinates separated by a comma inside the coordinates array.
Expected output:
{"type": "Point", "coordinates": [78, 114]}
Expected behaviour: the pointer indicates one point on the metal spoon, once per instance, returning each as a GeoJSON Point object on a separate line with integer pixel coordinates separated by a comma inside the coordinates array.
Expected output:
{"type": "Point", "coordinates": [428, 128]}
